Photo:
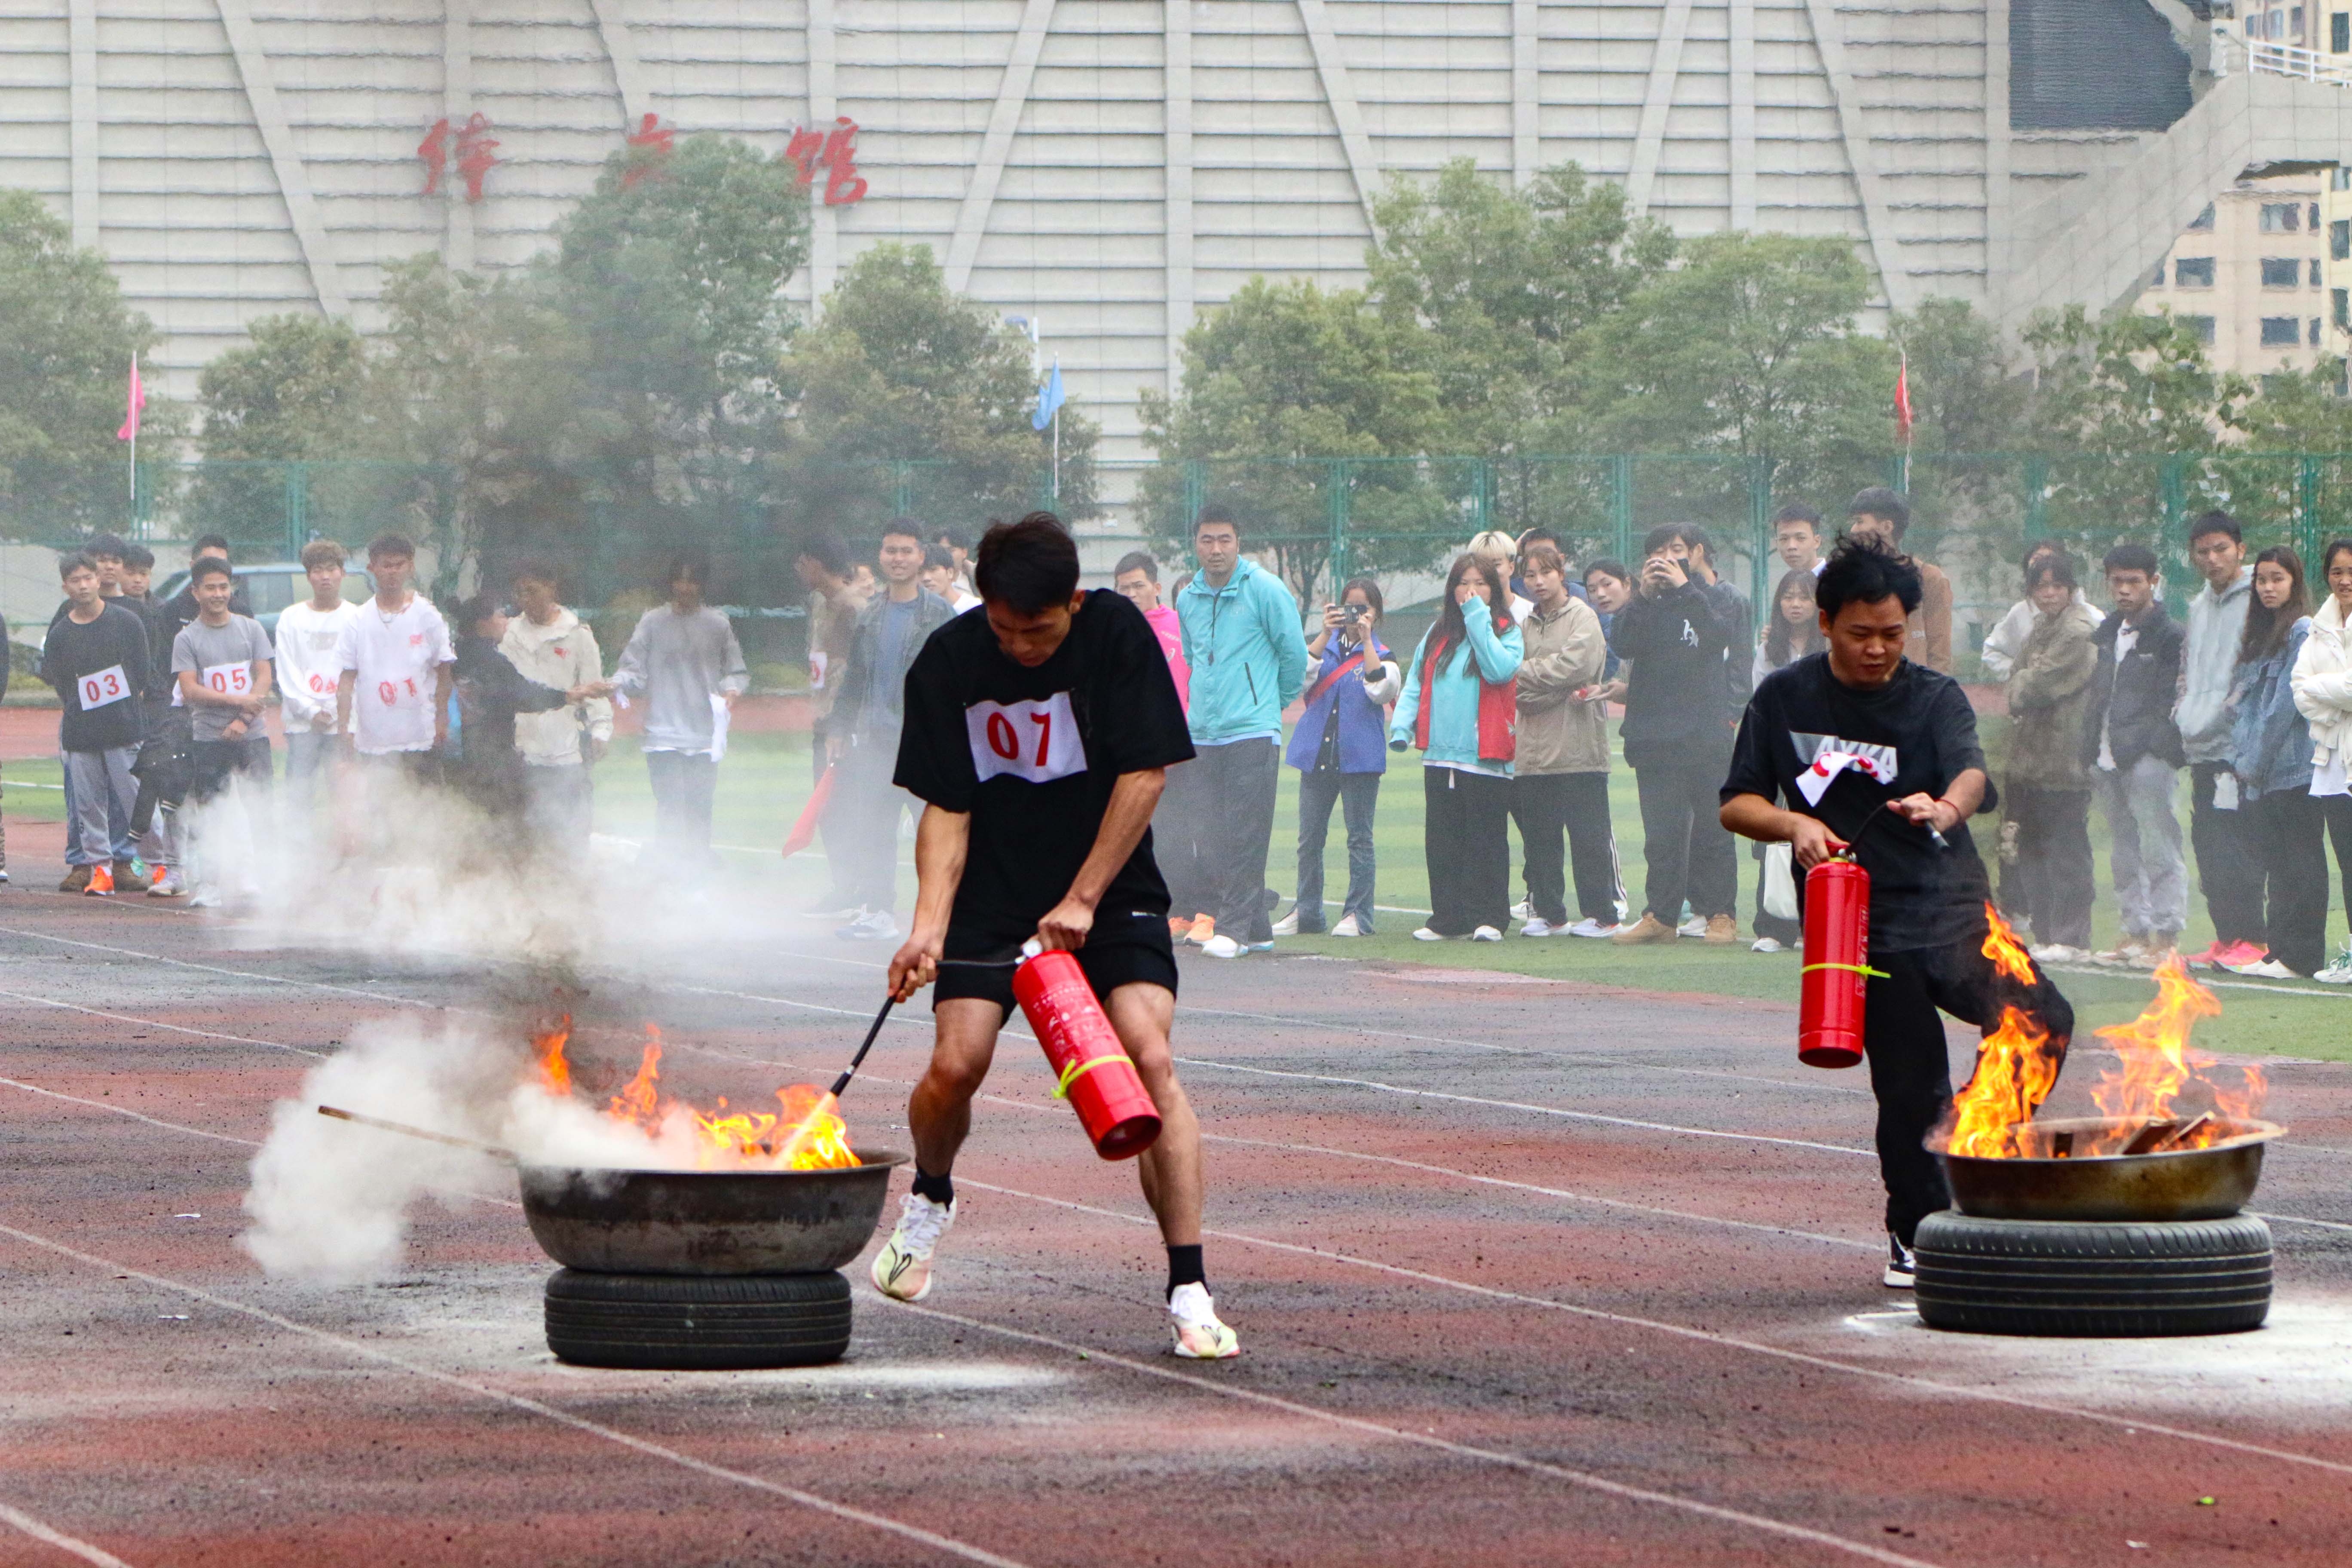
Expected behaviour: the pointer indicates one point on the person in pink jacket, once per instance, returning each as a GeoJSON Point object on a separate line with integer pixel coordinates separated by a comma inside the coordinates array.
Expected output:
{"type": "Point", "coordinates": [1173, 836]}
{"type": "Point", "coordinates": [1138, 577]}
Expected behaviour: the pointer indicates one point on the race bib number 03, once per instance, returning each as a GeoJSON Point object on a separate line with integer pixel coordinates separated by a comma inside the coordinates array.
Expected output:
{"type": "Point", "coordinates": [228, 679]}
{"type": "Point", "coordinates": [1035, 741]}
{"type": "Point", "coordinates": [104, 688]}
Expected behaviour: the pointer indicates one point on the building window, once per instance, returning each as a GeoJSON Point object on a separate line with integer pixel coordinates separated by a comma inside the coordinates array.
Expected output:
{"type": "Point", "coordinates": [2342, 299]}
{"type": "Point", "coordinates": [2339, 238]}
{"type": "Point", "coordinates": [2339, 178]}
{"type": "Point", "coordinates": [2295, 23]}
{"type": "Point", "coordinates": [2281, 331]}
{"type": "Point", "coordinates": [2315, 272]}
{"type": "Point", "coordinates": [2281, 217]}
{"type": "Point", "coordinates": [2339, 33]}
{"type": "Point", "coordinates": [2203, 327]}
{"type": "Point", "coordinates": [2203, 219]}
{"type": "Point", "coordinates": [2193, 272]}
{"type": "Point", "coordinates": [2314, 331]}
{"type": "Point", "coordinates": [2281, 271]}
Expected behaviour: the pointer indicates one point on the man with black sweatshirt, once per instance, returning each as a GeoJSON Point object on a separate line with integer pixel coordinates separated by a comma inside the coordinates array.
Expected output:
{"type": "Point", "coordinates": [97, 659]}
{"type": "Point", "coordinates": [490, 692]}
{"type": "Point", "coordinates": [1677, 733]}
{"type": "Point", "coordinates": [2133, 749]}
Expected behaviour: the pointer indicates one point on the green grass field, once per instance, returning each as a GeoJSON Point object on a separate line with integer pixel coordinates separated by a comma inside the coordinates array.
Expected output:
{"type": "Point", "coordinates": [766, 779]}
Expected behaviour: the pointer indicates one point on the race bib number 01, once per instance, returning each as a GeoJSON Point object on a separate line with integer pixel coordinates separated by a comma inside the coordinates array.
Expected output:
{"type": "Point", "coordinates": [1035, 741]}
{"type": "Point", "coordinates": [104, 688]}
{"type": "Point", "coordinates": [322, 684]}
{"type": "Point", "coordinates": [228, 679]}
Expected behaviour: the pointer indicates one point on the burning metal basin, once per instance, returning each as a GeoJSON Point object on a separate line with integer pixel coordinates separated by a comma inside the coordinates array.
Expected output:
{"type": "Point", "coordinates": [2213, 1181]}
{"type": "Point", "coordinates": [707, 1222]}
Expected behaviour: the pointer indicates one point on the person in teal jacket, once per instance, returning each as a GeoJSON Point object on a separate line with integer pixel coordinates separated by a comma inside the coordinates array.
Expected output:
{"type": "Point", "coordinates": [1248, 658]}
{"type": "Point", "coordinates": [1461, 708]}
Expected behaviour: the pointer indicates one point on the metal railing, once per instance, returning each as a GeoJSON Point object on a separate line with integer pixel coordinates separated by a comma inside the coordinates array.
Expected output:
{"type": "Point", "coordinates": [2290, 59]}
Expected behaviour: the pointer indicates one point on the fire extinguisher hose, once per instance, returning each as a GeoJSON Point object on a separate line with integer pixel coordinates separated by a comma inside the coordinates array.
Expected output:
{"type": "Point", "coordinates": [1077, 1071]}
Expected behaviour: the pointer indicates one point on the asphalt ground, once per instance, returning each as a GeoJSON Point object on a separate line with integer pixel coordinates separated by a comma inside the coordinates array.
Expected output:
{"type": "Point", "coordinates": [1525, 1270]}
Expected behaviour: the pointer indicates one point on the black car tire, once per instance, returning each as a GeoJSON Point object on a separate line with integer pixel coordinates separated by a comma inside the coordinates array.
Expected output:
{"type": "Point", "coordinates": [2093, 1280]}
{"type": "Point", "coordinates": [696, 1322]}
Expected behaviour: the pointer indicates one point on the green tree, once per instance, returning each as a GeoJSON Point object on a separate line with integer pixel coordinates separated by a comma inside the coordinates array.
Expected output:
{"type": "Point", "coordinates": [292, 395]}
{"type": "Point", "coordinates": [66, 342]}
{"type": "Point", "coordinates": [1969, 394]}
{"type": "Point", "coordinates": [898, 367]}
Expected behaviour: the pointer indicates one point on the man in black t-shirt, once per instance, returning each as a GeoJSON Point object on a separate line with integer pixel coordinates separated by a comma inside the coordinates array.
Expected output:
{"type": "Point", "coordinates": [1841, 738]}
{"type": "Point", "coordinates": [1038, 734]}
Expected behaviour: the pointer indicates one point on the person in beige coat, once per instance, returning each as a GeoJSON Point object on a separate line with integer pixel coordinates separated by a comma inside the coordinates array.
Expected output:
{"type": "Point", "coordinates": [1560, 781]}
{"type": "Point", "coordinates": [2047, 795]}
{"type": "Point", "coordinates": [549, 644]}
{"type": "Point", "coordinates": [2322, 683]}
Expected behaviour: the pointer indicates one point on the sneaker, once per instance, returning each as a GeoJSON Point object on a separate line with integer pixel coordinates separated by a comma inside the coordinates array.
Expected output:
{"type": "Point", "coordinates": [834, 907]}
{"type": "Point", "coordinates": [2337, 973]}
{"type": "Point", "coordinates": [1764, 944]}
{"type": "Point", "coordinates": [1203, 929]}
{"type": "Point", "coordinates": [1224, 947]}
{"type": "Point", "coordinates": [2157, 950]}
{"type": "Point", "coordinates": [1902, 1267]}
{"type": "Point", "coordinates": [1525, 910]}
{"type": "Point", "coordinates": [4, 874]}
{"type": "Point", "coordinates": [1425, 934]}
{"type": "Point", "coordinates": [1179, 928]}
{"type": "Point", "coordinates": [2058, 953]}
{"type": "Point", "coordinates": [1722, 931]}
{"type": "Point", "coordinates": [1259, 947]}
{"type": "Point", "coordinates": [167, 884]}
{"type": "Point", "coordinates": [2240, 952]}
{"type": "Point", "coordinates": [871, 925]}
{"type": "Point", "coordinates": [2210, 957]}
{"type": "Point", "coordinates": [1593, 930]}
{"type": "Point", "coordinates": [1192, 1319]}
{"type": "Point", "coordinates": [1648, 928]}
{"type": "Point", "coordinates": [133, 876]}
{"type": "Point", "coordinates": [1486, 934]}
{"type": "Point", "coordinates": [1288, 924]}
{"type": "Point", "coordinates": [2128, 951]}
{"type": "Point", "coordinates": [76, 878]}
{"type": "Point", "coordinates": [2268, 969]}
{"type": "Point", "coordinates": [903, 1267]}
{"type": "Point", "coordinates": [1695, 926]}
{"type": "Point", "coordinates": [1540, 928]}
{"type": "Point", "coordinates": [205, 898]}
{"type": "Point", "coordinates": [100, 882]}
{"type": "Point", "coordinates": [1347, 927]}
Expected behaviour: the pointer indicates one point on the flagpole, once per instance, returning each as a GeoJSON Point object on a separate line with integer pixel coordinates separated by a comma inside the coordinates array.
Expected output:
{"type": "Point", "coordinates": [135, 442]}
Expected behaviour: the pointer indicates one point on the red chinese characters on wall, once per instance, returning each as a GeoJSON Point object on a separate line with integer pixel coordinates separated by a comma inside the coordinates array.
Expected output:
{"type": "Point", "coordinates": [835, 151]}
{"type": "Point", "coordinates": [651, 143]}
{"type": "Point", "coordinates": [469, 146]}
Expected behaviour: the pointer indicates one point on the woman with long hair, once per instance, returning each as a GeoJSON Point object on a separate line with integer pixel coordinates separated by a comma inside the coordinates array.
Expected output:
{"type": "Point", "coordinates": [2323, 694]}
{"type": "Point", "coordinates": [1461, 708]}
{"type": "Point", "coordinates": [2270, 753]}
{"type": "Point", "coordinates": [2046, 798]}
{"type": "Point", "coordinates": [1337, 749]}
{"type": "Point", "coordinates": [1795, 629]}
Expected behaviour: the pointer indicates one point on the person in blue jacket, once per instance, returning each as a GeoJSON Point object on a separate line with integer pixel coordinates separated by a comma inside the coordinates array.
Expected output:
{"type": "Point", "coordinates": [1461, 708]}
{"type": "Point", "coordinates": [1248, 659]}
{"type": "Point", "coordinates": [2270, 753]}
{"type": "Point", "coordinates": [1338, 750]}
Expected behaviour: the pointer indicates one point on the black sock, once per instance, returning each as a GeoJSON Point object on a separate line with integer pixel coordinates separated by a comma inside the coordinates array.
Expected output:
{"type": "Point", "coordinates": [938, 1189]}
{"type": "Point", "coordinates": [1184, 1268]}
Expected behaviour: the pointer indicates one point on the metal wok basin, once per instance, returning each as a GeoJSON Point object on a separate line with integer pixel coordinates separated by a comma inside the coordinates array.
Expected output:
{"type": "Point", "coordinates": [2212, 1182]}
{"type": "Point", "coordinates": [706, 1222]}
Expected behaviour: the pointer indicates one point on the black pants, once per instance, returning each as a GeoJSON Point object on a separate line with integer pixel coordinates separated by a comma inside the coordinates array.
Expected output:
{"type": "Point", "coordinates": [1903, 1037]}
{"type": "Point", "coordinates": [1779, 928]}
{"type": "Point", "coordinates": [1235, 829]}
{"type": "Point", "coordinates": [2335, 810]}
{"type": "Point", "coordinates": [2290, 830]}
{"type": "Point", "coordinates": [2055, 870]}
{"type": "Point", "coordinates": [861, 822]}
{"type": "Point", "coordinates": [2228, 860]}
{"type": "Point", "coordinates": [1685, 850]}
{"type": "Point", "coordinates": [1176, 844]}
{"type": "Point", "coordinates": [1546, 806]}
{"type": "Point", "coordinates": [213, 764]}
{"type": "Point", "coordinates": [1466, 839]}
{"type": "Point", "coordinates": [683, 784]}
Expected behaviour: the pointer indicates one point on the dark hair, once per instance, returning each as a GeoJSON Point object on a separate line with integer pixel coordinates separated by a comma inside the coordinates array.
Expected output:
{"type": "Point", "coordinates": [1608, 567]}
{"type": "Point", "coordinates": [321, 552]}
{"type": "Point", "coordinates": [1797, 511]}
{"type": "Point", "coordinates": [73, 562]}
{"type": "Point", "coordinates": [1448, 628]}
{"type": "Point", "coordinates": [1217, 512]}
{"type": "Point", "coordinates": [210, 566]}
{"type": "Point", "coordinates": [138, 558]}
{"type": "Point", "coordinates": [2052, 563]}
{"type": "Point", "coordinates": [104, 544]}
{"type": "Point", "coordinates": [213, 542]}
{"type": "Point", "coordinates": [2266, 628]}
{"type": "Point", "coordinates": [950, 538]}
{"type": "Point", "coordinates": [1137, 560]}
{"type": "Point", "coordinates": [2328, 556]}
{"type": "Point", "coordinates": [384, 545]}
{"type": "Point", "coordinates": [1539, 535]}
{"type": "Point", "coordinates": [1369, 590]}
{"type": "Point", "coordinates": [938, 555]}
{"type": "Point", "coordinates": [1028, 566]}
{"type": "Point", "coordinates": [1688, 534]}
{"type": "Point", "coordinates": [827, 550]}
{"type": "Point", "coordinates": [1880, 501]}
{"type": "Point", "coordinates": [536, 569]}
{"type": "Point", "coordinates": [1864, 572]}
{"type": "Point", "coordinates": [1545, 556]}
{"type": "Point", "coordinates": [905, 528]}
{"type": "Point", "coordinates": [1783, 642]}
{"type": "Point", "coordinates": [688, 564]}
{"type": "Point", "coordinates": [2040, 548]}
{"type": "Point", "coordinates": [2216, 522]}
{"type": "Point", "coordinates": [2129, 558]}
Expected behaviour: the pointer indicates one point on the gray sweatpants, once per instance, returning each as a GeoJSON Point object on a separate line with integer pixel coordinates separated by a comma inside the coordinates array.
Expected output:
{"type": "Point", "coordinates": [101, 784]}
{"type": "Point", "coordinates": [2151, 880]}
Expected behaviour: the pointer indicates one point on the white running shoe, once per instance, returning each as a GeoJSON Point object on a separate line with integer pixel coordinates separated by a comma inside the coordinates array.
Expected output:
{"type": "Point", "coordinates": [1425, 934]}
{"type": "Point", "coordinates": [1902, 1267]}
{"type": "Point", "coordinates": [1223, 946]}
{"type": "Point", "coordinates": [1347, 927]}
{"type": "Point", "coordinates": [1525, 910]}
{"type": "Point", "coordinates": [2338, 973]}
{"type": "Point", "coordinates": [1192, 1319]}
{"type": "Point", "coordinates": [2268, 969]}
{"type": "Point", "coordinates": [1764, 944]}
{"type": "Point", "coordinates": [871, 925]}
{"type": "Point", "coordinates": [1590, 928]}
{"type": "Point", "coordinates": [1540, 928]}
{"type": "Point", "coordinates": [903, 1267]}
{"type": "Point", "coordinates": [1695, 926]}
{"type": "Point", "coordinates": [205, 898]}
{"type": "Point", "coordinates": [1486, 934]}
{"type": "Point", "coordinates": [1288, 924]}
{"type": "Point", "coordinates": [2058, 953]}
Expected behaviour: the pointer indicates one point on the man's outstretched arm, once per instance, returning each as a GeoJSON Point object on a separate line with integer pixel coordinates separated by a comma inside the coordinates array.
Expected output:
{"type": "Point", "coordinates": [1132, 800]}
{"type": "Point", "coordinates": [1753, 816]}
{"type": "Point", "coordinates": [943, 841]}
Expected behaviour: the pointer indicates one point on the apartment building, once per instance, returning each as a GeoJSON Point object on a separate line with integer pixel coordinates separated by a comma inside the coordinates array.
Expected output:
{"type": "Point", "coordinates": [2251, 274]}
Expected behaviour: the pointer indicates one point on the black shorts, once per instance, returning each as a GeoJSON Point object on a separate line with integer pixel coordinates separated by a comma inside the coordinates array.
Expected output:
{"type": "Point", "coordinates": [1118, 951]}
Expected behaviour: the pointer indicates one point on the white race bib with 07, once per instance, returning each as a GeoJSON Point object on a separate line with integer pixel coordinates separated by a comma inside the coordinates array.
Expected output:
{"type": "Point", "coordinates": [227, 679]}
{"type": "Point", "coordinates": [104, 688]}
{"type": "Point", "coordinates": [1035, 741]}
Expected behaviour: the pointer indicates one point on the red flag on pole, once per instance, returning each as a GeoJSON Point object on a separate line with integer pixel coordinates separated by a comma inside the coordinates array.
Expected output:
{"type": "Point", "coordinates": [804, 831]}
{"type": "Point", "coordinates": [1903, 400]}
{"type": "Point", "coordinates": [137, 401]}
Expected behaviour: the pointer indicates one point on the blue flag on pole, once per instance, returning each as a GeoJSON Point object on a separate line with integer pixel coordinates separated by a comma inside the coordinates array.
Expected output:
{"type": "Point", "coordinates": [1049, 398]}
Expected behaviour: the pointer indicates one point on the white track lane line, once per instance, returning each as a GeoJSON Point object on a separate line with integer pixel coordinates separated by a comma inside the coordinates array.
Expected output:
{"type": "Point", "coordinates": [157, 1024]}
{"type": "Point", "coordinates": [51, 1536]}
{"type": "Point", "coordinates": [1704, 1336]}
{"type": "Point", "coordinates": [370, 1353]}
{"type": "Point", "coordinates": [1868, 1550]}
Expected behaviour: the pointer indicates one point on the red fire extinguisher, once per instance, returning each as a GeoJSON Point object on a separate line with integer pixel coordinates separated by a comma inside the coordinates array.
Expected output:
{"type": "Point", "coordinates": [1837, 963]}
{"type": "Point", "coordinates": [1093, 1069]}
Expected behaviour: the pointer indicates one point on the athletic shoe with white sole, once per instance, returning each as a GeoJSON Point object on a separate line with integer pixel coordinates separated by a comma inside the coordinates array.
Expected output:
{"type": "Point", "coordinates": [1425, 934]}
{"type": "Point", "coordinates": [1540, 928]}
{"type": "Point", "coordinates": [1223, 946]}
{"type": "Point", "coordinates": [1348, 927]}
{"type": "Point", "coordinates": [2058, 953]}
{"type": "Point", "coordinates": [1764, 944]}
{"type": "Point", "coordinates": [1525, 910]}
{"type": "Point", "coordinates": [871, 925]}
{"type": "Point", "coordinates": [903, 1267]}
{"type": "Point", "coordinates": [1203, 928]}
{"type": "Point", "coordinates": [1593, 930]}
{"type": "Point", "coordinates": [2268, 969]}
{"type": "Point", "coordinates": [1695, 926]}
{"type": "Point", "coordinates": [1902, 1267]}
{"type": "Point", "coordinates": [1192, 1319]}
{"type": "Point", "coordinates": [168, 884]}
{"type": "Point", "coordinates": [1288, 924]}
{"type": "Point", "coordinates": [1486, 934]}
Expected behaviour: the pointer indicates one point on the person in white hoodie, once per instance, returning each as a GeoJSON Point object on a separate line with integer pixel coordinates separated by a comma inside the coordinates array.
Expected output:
{"type": "Point", "coordinates": [2229, 857]}
{"type": "Point", "coordinates": [2006, 641]}
{"type": "Point", "coordinates": [2323, 694]}
{"type": "Point", "coordinates": [549, 644]}
{"type": "Point", "coordinates": [306, 637]}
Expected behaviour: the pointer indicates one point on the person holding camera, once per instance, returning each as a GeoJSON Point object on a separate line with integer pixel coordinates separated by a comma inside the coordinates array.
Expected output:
{"type": "Point", "coordinates": [1339, 749]}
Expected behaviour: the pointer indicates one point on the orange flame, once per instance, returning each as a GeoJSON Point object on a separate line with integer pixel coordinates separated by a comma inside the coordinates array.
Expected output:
{"type": "Point", "coordinates": [804, 1136]}
{"type": "Point", "coordinates": [2001, 945]}
{"type": "Point", "coordinates": [2160, 1077]}
{"type": "Point", "coordinates": [2015, 1071]}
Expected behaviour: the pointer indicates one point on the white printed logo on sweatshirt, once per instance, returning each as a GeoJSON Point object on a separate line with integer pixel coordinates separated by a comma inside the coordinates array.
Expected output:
{"type": "Point", "coordinates": [1035, 741]}
{"type": "Point", "coordinates": [1829, 755]}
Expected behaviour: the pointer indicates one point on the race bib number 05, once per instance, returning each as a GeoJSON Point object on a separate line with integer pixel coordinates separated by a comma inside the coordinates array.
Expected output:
{"type": "Point", "coordinates": [104, 687]}
{"type": "Point", "coordinates": [228, 679]}
{"type": "Point", "coordinates": [1035, 741]}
